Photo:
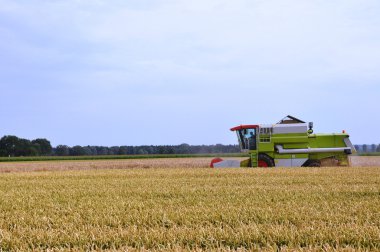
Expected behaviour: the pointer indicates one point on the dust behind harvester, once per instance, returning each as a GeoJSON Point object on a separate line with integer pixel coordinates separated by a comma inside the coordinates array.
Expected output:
{"type": "Point", "coordinates": [290, 142]}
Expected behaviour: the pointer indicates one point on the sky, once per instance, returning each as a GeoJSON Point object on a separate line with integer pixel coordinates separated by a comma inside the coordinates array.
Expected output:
{"type": "Point", "coordinates": [142, 72]}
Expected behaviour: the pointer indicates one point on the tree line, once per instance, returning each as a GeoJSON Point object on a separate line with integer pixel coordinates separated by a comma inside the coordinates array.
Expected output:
{"type": "Point", "coordinates": [15, 147]}
{"type": "Point", "coordinates": [365, 148]}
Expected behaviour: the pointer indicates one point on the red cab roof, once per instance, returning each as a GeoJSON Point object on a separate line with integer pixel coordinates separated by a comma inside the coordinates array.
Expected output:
{"type": "Point", "coordinates": [244, 127]}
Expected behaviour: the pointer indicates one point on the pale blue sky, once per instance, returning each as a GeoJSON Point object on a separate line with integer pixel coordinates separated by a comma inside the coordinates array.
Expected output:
{"type": "Point", "coordinates": [140, 72]}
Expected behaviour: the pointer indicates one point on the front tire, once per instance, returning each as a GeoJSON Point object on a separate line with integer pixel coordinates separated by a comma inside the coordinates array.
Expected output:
{"type": "Point", "coordinates": [265, 161]}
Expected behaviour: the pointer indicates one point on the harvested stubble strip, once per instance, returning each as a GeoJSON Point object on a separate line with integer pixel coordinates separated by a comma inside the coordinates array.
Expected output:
{"type": "Point", "coordinates": [137, 163]}
{"type": "Point", "coordinates": [365, 161]}
{"type": "Point", "coordinates": [104, 164]}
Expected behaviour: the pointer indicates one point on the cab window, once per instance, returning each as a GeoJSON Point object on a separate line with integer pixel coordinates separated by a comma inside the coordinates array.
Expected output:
{"type": "Point", "coordinates": [247, 139]}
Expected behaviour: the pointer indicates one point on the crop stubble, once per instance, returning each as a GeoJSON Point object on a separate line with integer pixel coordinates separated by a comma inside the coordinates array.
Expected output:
{"type": "Point", "coordinates": [104, 164]}
{"type": "Point", "coordinates": [356, 161]}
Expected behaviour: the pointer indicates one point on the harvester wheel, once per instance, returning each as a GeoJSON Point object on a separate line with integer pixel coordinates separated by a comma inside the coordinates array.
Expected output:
{"type": "Point", "coordinates": [313, 163]}
{"type": "Point", "coordinates": [265, 161]}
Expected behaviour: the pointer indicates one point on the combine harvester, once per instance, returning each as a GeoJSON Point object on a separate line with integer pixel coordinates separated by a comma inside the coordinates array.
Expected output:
{"type": "Point", "coordinates": [289, 143]}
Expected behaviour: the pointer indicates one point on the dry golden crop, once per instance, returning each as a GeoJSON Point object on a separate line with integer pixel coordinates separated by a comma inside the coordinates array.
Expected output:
{"type": "Point", "coordinates": [105, 164]}
{"type": "Point", "coordinates": [191, 209]}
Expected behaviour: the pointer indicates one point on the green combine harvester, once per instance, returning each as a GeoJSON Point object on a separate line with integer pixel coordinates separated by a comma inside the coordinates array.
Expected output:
{"type": "Point", "coordinates": [289, 143]}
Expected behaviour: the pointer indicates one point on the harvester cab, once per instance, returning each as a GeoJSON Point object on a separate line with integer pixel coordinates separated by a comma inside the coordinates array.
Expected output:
{"type": "Point", "coordinates": [247, 137]}
{"type": "Point", "coordinates": [290, 142]}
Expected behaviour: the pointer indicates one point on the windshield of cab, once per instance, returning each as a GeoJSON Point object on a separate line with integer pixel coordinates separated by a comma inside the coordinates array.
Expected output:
{"type": "Point", "coordinates": [247, 139]}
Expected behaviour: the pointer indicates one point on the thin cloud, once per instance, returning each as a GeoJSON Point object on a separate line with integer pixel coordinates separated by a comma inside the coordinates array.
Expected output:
{"type": "Point", "coordinates": [190, 63]}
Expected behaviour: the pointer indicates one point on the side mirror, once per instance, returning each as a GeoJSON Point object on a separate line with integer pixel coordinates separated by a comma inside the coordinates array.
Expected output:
{"type": "Point", "coordinates": [311, 125]}
{"type": "Point", "coordinates": [310, 131]}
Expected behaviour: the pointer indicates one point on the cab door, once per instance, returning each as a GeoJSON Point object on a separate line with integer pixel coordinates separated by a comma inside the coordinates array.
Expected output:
{"type": "Point", "coordinates": [249, 140]}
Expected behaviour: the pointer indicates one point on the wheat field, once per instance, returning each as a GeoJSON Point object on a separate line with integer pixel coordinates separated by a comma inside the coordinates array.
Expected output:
{"type": "Point", "coordinates": [310, 209]}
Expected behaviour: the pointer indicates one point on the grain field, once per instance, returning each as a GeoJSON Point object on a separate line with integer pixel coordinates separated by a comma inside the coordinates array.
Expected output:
{"type": "Point", "coordinates": [191, 209]}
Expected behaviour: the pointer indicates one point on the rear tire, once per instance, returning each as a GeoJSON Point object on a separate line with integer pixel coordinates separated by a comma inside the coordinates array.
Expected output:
{"type": "Point", "coordinates": [312, 163]}
{"type": "Point", "coordinates": [265, 161]}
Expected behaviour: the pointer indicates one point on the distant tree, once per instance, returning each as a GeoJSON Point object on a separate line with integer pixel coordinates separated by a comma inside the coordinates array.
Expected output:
{"type": "Point", "coordinates": [102, 150]}
{"type": "Point", "coordinates": [8, 145]}
{"type": "Point", "coordinates": [15, 147]}
{"type": "Point", "coordinates": [43, 146]}
{"type": "Point", "coordinates": [24, 148]}
{"type": "Point", "coordinates": [378, 148]}
{"type": "Point", "coordinates": [357, 147]}
{"type": "Point", "coordinates": [87, 151]}
{"type": "Point", "coordinates": [141, 151]}
{"type": "Point", "coordinates": [149, 149]}
{"type": "Point", "coordinates": [364, 148]}
{"type": "Point", "coordinates": [62, 150]}
{"type": "Point", "coordinates": [114, 150]}
{"type": "Point", "coordinates": [31, 151]}
{"type": "Point", "coordinates": [183, 148]}
{"type": "Point", "coordinates": [219, 148]}
{"type": "Point", "coordinates": [160, 150]}
{"type": "Point", "coordinates": [123, 150]}
{"type": "Point", "coordinates": [77, 151]}
{"type": "Point", "coordinates": [94, 151]}
{"type": "Point", "coordinates": [373, 147]}
{"type": "Point", "coordinates": [169, 150]}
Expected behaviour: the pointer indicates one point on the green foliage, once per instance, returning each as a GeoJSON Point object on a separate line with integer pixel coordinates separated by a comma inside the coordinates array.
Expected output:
{"type": "Point", "coordinates": [62, 150]}
{"type": "Point", "coordinates": [77, 151]}
{"type": "Point", "coordinates": [42, 146]}
{"type": "Point", "coordinates": [15, 147]}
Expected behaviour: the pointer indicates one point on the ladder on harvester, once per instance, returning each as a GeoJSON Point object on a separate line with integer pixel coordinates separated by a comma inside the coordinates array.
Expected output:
{"type": "Point", "coordinates": [254, 159]}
